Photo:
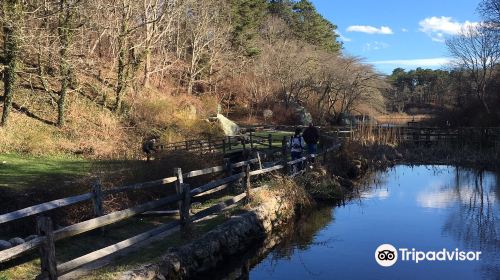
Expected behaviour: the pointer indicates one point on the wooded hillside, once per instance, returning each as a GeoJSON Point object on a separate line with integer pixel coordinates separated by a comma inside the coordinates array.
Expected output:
{"type": "Point", "coordinates": [94, 77]}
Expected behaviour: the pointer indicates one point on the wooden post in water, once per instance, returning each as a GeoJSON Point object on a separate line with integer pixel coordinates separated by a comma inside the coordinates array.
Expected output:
{"type": "Point", "coordinates": [270, 140]}
{"type": "Point", "coordinates": [178, 185]}
{"type": "Point", "coordinates": [247, 182]}
{"type": "Point", "coordinates": [229, 142]}
{"type": "Point", "coordinates": [47, 249]}
{"type": "Point", "coordinates": [97, 198]}
{"type": "Point", "coordinates": [223, 146]}
{"type": "Point", "coordinates": [185, 205]}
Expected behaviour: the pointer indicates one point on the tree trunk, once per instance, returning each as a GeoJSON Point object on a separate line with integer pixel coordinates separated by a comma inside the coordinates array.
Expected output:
{"type": "Point", "coordinates": [482, 96]}
{"type": "Point", "coordinates": [122, 63]}
{"type": "Point", "coordinates": [11, 30]}
{"type": "Point", "coordinates": [147, 58]}
{"type": "Point", "coordinates": [64, 37]}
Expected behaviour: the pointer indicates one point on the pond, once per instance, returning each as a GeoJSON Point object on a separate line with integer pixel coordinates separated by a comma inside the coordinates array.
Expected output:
{"type": "Point", "coordinates": [427, 213]}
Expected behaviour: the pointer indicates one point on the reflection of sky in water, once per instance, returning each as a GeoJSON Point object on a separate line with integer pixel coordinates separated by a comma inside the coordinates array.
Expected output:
{"type": "Point", "coordinates": [428, 208]}
{"type": "Point", "coordinates": [444, 198]}
{"type": "Point", "coordinates": [375, 193]}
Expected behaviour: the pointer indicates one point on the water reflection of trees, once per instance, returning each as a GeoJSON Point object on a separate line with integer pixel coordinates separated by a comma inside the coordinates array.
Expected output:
{"type": "Point", "coordinates": [474, 220]}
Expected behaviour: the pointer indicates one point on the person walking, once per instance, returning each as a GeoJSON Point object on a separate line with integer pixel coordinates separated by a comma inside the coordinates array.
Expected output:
{"type": "Point", "coordinates": [311, 137]}
{"type": "Point", "coordinates": [297, 144]}
{"type": "Point", "coordinates": [148, 147]}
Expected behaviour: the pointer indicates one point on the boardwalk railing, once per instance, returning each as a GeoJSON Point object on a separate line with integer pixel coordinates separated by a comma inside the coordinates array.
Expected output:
{"type": "Point", "coordinates": [46, 238]}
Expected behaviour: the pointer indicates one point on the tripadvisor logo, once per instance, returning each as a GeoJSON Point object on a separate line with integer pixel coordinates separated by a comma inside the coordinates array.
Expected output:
{"type": "Point", "coordinates": [387, 255]}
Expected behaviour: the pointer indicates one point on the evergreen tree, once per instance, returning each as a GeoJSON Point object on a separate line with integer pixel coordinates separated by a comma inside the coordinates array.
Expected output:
{"type": "Point", "coordinates": [306, 23]}
{"type": "Point", "coordinates": [247, 18]}
{"type": "Point", "coordinates": [313, 28]}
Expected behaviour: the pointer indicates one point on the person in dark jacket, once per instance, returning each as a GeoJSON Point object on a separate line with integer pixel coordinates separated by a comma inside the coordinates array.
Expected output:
{"type": "Point", "coordinates": [148, 147]}
{"type": "Point", "coordinates": [311, 137]}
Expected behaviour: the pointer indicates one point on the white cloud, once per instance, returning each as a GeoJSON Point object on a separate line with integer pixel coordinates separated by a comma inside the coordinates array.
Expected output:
{"type": "Point", "coordinates": [424, 62]}
{"type": "Point", "coordinates": [342, 37]}
{"type": "Point", "coordinates": [438, 27]}
{"type": "Point", "coordinates": [404, 30]}
{"type": "Point", "coordinates": [370, 29]}
{"type": "Point", "coordinates": [375, 46]}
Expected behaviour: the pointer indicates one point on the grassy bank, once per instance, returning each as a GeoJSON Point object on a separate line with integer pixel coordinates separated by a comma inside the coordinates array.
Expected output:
{"type": "Point", "coordinates": [18, 172]}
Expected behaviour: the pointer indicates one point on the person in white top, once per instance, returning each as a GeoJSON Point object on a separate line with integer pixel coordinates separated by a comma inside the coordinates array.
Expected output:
{"type": "Point", "coordinates": [297, 144]}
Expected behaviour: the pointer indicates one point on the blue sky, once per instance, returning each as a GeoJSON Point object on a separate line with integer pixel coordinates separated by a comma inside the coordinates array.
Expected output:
{"type": "Point", "coordinates": [399, 33]}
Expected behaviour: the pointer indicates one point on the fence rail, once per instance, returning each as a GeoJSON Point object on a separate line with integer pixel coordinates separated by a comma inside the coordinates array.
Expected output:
{"type": "Point", "coordinates": [222, 144]}
{"type": "Point", "coordinates": [480, 136]}
{"type": "Point", "coordinates": [47, 237]}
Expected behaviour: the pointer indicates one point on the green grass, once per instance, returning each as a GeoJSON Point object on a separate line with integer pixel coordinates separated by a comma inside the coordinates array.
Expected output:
{"type": "Point", "coordinates": [18, 172]}
{"type": "Point", "coordinates": [277, 135]}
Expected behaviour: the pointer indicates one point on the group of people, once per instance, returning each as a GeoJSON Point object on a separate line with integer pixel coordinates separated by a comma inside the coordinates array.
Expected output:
{"type": "Point", "coordinates": [300, 140]}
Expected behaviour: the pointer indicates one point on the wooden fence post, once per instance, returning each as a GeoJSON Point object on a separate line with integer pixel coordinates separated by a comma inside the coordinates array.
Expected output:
{"type": "Point", "coordinates": [178, 186]}
{"type": "Point", "coordinates": [247, 182]}
{"type": "Point", "coordinates": [260, 162]}
{"type": "Point", "coordinates": [243, 143]}
{"type": "Point", "coordinates": [228, 166]}
{"type": "Point", "coordinates": [270, 140]}
{"type": "Point", "coordinates": [251, 141]}
{"type": "Point", "coordinates": [229, 142]}
{"type": "Point", "coordinates": [223, 146]}
{"type": "Point", "coordinates": [97, 198]}
{"type": "Point", "coordinates": [47, 249]}
{"type": "Point", "coordinates": [187, 145]}
{"type": "Point", "coordinates": [284, 148]}
{"type": "Point", "coordinates": [185, 205]}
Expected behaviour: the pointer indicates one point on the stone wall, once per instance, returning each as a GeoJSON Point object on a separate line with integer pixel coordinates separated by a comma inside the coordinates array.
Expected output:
{"type": "Point", "coordinates": [229, 239]}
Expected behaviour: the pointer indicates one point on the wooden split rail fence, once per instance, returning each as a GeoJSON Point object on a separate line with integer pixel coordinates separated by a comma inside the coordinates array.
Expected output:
{"type": "Point", "coordinates": [480, 137]}
{"type": "Point", "coordinates": [222, 144]}
{"type": "Point", "coordinates": [47, 236]}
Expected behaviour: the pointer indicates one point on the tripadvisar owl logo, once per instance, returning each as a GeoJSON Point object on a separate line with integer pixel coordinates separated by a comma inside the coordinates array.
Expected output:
{"type": "Point", "coordinates": [386, 255]}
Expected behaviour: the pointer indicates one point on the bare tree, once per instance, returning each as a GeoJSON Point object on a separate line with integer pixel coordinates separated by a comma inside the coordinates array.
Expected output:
{"type": "Point", "coordinates": [207, 36]}
{"type": "Point", "coordinates": [11, 24]}
{"type": "Point", "coordinates": [477, 50]}
{"type": "Point", "coordinates": [490, 9]}
{"type": "Point", "coordinates": [342, 83]}
{"type": "Point", "coordinates": [66, 26]}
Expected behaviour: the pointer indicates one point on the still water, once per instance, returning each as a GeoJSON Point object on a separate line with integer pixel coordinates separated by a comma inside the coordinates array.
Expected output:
{"type": "Point", "coordinates": [429, 208]}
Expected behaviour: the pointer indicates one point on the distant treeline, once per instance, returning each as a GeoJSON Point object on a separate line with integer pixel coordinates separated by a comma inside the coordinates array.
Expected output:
{"type": "Point", "coordinates": [470, 88]}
